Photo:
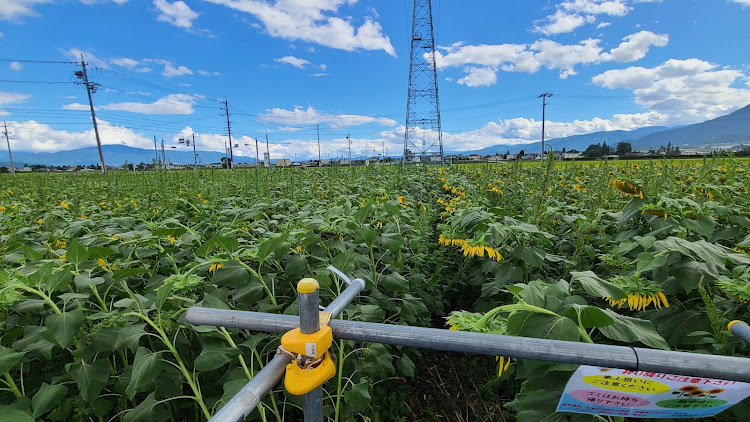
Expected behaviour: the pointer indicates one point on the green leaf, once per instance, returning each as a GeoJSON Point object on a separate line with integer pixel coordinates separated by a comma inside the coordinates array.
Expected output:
{"type": "Point", "coordinates": [590, 316]}
{"type": "Point", "coordinates": [597, 287]}
{"type": "Point", "coordinates": [64, 326]}
{"type": "Point", "coordinates": [364, 234]}
{"type": "Point", "coordinates": [647, 261]}
{"type": "Point", "coordinates": [394, 283]}
{"type": "Point", "coordinates": [149, 410]}
{"type": "Point", "coordinates": [214, 356]}
{"type": "Point", "coordinates": [405, 366]}
{"type": "Point", "coordinates": [539, 325]}
{"type": "Point", "coordinates": [631, 330]}
{"type": "Point", "coordinates": [232, 273]}
{"type": "Point", "coordinates": [59, 280]}
{"type": "Point", "coordinates": [84, 281]}
{"type": "Point", "coordinates": [31, 254]}
{"type": "Point", "coordinates": [9, 359]}
{"type": "Point", "coordinates": [229, 244]}
{"type": "Point", "coordinates": [704, 225]}
{"type": "Point", "coordinates": [363, 213]}
{"type": "Point", "coordinates": [9, 414]}
{"type": "Point", "coordinates": [359, 395]}
{"type": "Point", "coordinates": [146, 367]}
{"type": "Point", "coordinates": [129, 337]}
{"type": "Point", "coordinates": [96, 252]}
{"type": "Point", "coordinates": [91, 378]}
{"type": "Point", "coordinates": [267, 247]}
{"type": "Point", "coordinates": [76, 253]}
{"type": "Point", "coordinates": [210, 301]}
{"type": "Point", "coordinates": [128, 272]}
{"type": "Point", "coordinates": [47, 398]}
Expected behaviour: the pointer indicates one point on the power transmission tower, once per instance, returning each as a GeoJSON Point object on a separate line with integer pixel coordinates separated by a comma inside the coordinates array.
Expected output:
{"type": "Point", "coordinates": [83, 76]}
{"type": "Point", "coordinates": [423, 139]}
{"type": "Point", "coordinates": [225, 109]}
{"type": "Point", "coordinates": [320, 162]}
{"type": "Point", "coordinates": [544, 109]}
{"type": "Point", "coordinates": [10, 155]}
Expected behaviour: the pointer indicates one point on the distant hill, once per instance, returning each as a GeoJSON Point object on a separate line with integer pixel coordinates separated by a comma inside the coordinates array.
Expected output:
{"type": "Point", "coordinates": [578, 142]}
{"type": "Point", "coordinates": [732, 128]}
{"type": "Point", "coordinates": [116, 155]}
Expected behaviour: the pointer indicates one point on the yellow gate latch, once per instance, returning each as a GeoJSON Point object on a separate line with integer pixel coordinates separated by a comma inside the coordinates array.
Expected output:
{"type": "Point", "coordinates": [304, 375]}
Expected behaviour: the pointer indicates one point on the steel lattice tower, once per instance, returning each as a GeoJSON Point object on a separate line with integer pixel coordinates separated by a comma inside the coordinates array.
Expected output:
{"type": "Point", "coordinates": [423, 139]}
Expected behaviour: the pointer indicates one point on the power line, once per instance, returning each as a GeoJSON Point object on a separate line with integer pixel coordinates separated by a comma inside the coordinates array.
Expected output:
{"type": "Point", "coordinates": [9, 81]}
{"type": "Point", "coordinates": [36, 61]}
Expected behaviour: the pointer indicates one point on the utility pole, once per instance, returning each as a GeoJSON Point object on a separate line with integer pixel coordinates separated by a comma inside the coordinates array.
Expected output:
{"type": "Point", "coordinates": [156, 154]}
{"type": "Point", "coordinates": [544, 108]}
{"type": "Point", "coordinates": [195, 156]}
{"type": "Point", "coordinates": [320, 162]}
{"type": "Point", "coordinates": [163, 155]}
{"type": "Point", "coordinates": [257, 154]}
{"type": "Point", "coordinates": [225, 109]}
{"type": "Point", "coordinates": [82, 74]}
{"type": "Point", "coordinates": [10, 155]}
{"type": "Point", "coordinates": [350, 149]}
{"type": "Point", "coordinates": [268, 154]}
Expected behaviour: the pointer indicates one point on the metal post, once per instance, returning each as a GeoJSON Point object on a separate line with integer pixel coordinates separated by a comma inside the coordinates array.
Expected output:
{"type": "Point", "coordinates": [93, 114]}
{"type": "Point", "coordinates": [740, 329]}
{"type": "Point", "coordinates": [309, 323]}
{"type": "Point", "coordinates": [268, 152]}
{"type": "Point", "coordinates": [156, 154]}
{"type": "Point", "coordinates": [624, 357]}
{"type": "Point", "coordinates": [257, 154]}
{"type": "Point", "coordinates": [237, 409]}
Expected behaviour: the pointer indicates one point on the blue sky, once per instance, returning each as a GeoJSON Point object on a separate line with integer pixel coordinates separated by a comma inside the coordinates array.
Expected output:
{"type": "Point", "coordinates": [286, 66]}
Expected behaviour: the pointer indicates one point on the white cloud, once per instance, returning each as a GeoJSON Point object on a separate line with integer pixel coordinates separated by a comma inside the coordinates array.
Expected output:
{"type": "Point", "coordinates": [572, 14]}
{"type": "Point", "coordinates": [131, 64]}
{"type": "Point", "coordinates": [521, 130]}
{"type": "Point", "coordinates": [596, 7]}
{"type": "Point", "coordinates": [170, 70]}
{"type": "Point", "coordinates": [171, 104]}
{"type": "Point", "coordinates": [204, 72]}
{"type": "Point", "coordinates": [311, 116]}
{"type": "Point", "coordinates": [74, 54]}
{"type": "Point", "coordinates": [39, 137]}
{"type": "Point", "coordinates": [12, 10]}
{"type": "Point", "coordinates": [690, 90]}
{"type": "Point", "coordinates": [479, 76]}
{"type": "Point", "coordinates": [11, 98]}
{"type": "Point", "coordinates": [742, 2]}
{"type": "Point", "coordinates": [323, 67]}
{"type": "Point", "coordinates": [319, 74]}
{"type": "Point", "coordinates": [603, 25]}
{"type": "Point", "coordinates": [176, 13]}
{"type": "Point", "coordinates": [314, 21]}
{"type": "Point", "coordinates": [294, 61]}
{"type": "Point", "coordinates": [636, 46]}
{"type": "Point", "coordinates": [562, 22]}
{"type": "Point", "coordinates": [549, 54]}
{"type": "Point", "coordinates": [15, 66]}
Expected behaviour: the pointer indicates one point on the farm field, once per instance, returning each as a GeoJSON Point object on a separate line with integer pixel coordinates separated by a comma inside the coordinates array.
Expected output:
{"type": "Point", "coordinates": [97, 272]}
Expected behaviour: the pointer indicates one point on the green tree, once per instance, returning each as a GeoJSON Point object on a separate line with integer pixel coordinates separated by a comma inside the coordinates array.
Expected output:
{"type": "Point", "coordinates": [624, 148]}
{"type": "Point", "coordinates": [593, 151]}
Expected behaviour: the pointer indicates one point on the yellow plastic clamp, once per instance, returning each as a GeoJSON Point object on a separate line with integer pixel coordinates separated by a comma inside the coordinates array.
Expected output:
{"type": "Point", "coordinates": [310, 345]}
{"type": "Point", "coordinates": [299, 381]}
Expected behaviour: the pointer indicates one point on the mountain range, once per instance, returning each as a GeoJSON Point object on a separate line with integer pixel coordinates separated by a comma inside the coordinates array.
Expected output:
{"type": "Point", "coordinates": [116, 155]}
{"type": "Point", "coordinates": [733, 128]}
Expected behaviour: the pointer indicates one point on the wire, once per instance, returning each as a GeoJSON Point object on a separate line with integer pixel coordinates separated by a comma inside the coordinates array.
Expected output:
{"type": "Point", "coordinates": [36, 61]}
{"type": "Point", "coordinates": [34, 82]}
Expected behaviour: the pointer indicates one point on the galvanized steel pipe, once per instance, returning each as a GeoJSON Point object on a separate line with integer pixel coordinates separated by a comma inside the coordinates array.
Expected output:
{"type": "Point", "coordinates": [624, 357]}
{"type": "Point", "coordinates": [740, 329]}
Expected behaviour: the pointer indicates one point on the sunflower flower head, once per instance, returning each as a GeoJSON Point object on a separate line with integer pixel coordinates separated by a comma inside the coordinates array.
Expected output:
{"type": "Point", "coordinates": [641, 293]}
{"type": "Point", "coordinates": [627, 187]}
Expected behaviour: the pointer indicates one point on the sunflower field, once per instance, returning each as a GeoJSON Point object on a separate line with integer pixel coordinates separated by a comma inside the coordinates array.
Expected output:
{"type": "Point", "coordinates": [98, 271]}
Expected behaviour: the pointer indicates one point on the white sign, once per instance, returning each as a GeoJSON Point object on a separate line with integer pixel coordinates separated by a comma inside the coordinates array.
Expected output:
{"type": "Point", "coordinates": [639, 394]}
